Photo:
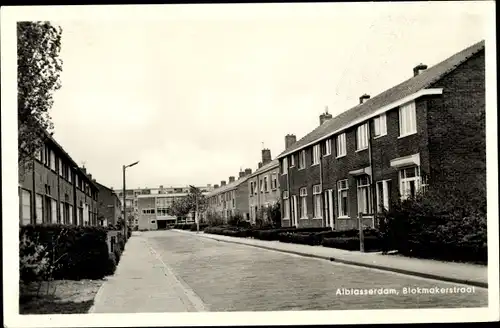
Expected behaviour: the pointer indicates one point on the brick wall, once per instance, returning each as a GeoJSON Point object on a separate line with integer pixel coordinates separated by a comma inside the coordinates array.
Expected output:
{"type": "Point", "coordinates": [456, 126]}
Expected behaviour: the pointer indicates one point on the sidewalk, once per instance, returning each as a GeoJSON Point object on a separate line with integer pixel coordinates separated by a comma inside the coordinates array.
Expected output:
{"type": "Point", "coordinates": [143, 283]}
{"type": "Point", "coordinates": [462, 273]}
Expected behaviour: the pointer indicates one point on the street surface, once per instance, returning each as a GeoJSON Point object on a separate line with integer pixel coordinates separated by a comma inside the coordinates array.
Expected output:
{"type": "Point", "coordinates": [231, 277]}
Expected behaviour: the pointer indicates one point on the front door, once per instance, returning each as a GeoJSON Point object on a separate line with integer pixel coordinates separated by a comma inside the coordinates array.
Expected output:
{"type": "Point", "coordinates": [294, 210]}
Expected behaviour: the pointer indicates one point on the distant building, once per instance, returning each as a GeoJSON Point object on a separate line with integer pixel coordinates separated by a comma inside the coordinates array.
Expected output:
{"type": "Point", "coordinates": [263, 184]}
{"type": "Point", "coordinates": [56, 190]}
{"type": "Point", "coordinates": [153, 208]}
{"type": "Point", "coordinates": [391, 146]}
{"type": "Point", "coordinates": [109, 204]}
{"type": "Point", "coordinates": [231, 198]}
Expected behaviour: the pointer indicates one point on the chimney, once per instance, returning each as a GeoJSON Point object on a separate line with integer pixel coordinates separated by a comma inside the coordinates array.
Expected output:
{"type": "Point", "coordinates": [266, 156]}
{"type": "Point", "coordinates": [418, 69]}
{"type": "Point", "coordinates": [290, 139]}
{"type": "Point", "coordinates": [89, 176]}
{"type": "Point", "coordinates": [241, 174]}
{"type": "Point", "coordinates": [216, 186]}
{"type": "Point", "coordinates": [231, 179]}
{"type": "Point", "coordinates": [161, 187]}
{"type": "Point", "coordinates": [248, 172]}
{"type": "Point", "coordinates": [324, 117]}
{"type": "Point", "coordinates": [222, 183]}
{"type": "Point", "coordinates": [364, 98]}
{"type": "Point", "coordinates": [260, 165]}
{"type": "Point", "coordinates": [84, 170]}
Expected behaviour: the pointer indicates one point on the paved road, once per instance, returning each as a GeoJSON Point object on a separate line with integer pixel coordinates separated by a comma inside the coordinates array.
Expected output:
{"type": "Point", "coordinates": [230, 277]}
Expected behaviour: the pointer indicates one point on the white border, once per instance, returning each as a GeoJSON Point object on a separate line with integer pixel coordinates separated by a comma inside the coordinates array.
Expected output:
{"type": "Point", "coordinates": [9, 16]}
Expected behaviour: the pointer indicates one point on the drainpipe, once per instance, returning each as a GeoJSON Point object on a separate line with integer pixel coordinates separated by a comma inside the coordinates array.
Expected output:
{"type": "Point", "coordinates": [320, 177]}
{"type": "Point", "coordinates": [33, 196]}
{"type": "Point", "coordinates": [372, 184]}
{"type": "Point", "coordinates": [289, 194]}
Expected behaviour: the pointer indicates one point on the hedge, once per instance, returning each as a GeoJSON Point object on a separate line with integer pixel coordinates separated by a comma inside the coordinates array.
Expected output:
{"type": "Point", "coordinates": [372, 243]}
{"type": "Point", "coordinates": [74, 252]}
{"type": "Point", "coordinates": [183, 226]}
{"type": "Point", "coordinates": [195, 228]}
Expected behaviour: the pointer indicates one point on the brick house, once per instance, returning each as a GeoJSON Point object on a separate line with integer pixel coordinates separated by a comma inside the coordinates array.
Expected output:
{"type": "Point", "coordinates": [230, 199]}
{"type": "Point", "coordinates": [109, 206]}
{"type": "Point", "coordinates": [263, 185]}
{"type": "Point", "coordinates": [56, 190]}
{"type": "Point", "coordinates": [389, 146]}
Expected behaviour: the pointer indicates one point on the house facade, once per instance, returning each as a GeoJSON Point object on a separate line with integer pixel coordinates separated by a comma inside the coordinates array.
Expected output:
{"type": "Point", "coordinates": [153, 208]}
{"type": "Point", "coordinates": [417, 133]}
{"type": "Point", "coordinates": [263, 186]}
{"type": "Point", "coordinates": [56, 190]}
{"type": "Point", "coordinates": [230, 199]}
{"type": "Point", "coordinates": [109, 206]}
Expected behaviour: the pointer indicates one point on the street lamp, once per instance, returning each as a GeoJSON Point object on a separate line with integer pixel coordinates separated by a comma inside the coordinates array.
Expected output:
{"type": "Point", "coordinates": [124, 200]}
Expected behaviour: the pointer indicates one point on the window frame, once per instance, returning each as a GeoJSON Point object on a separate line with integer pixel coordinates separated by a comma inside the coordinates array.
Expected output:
{"type": "Point", "coordinates": [302, 159]}
{"type": "Point", "coordinates": [365, 188]}
{"type": "Point", "coordinates": [341, 144]}
{"type": "Point", "coordinates": [328, 147]}
{"type": "Point", "coordinates": [417, 179]}
{"type": "Point", "coordinates": [407, 121]}
{"type": "Point", "coordinates": [380, 122]}
{"type": "Point", "coordinates": [284, 167]}
{"type": "Point", "coordinates": [362, 137]}
{"type": "Point", "coordinates": [303, 202]}
{"type": "Point", "coordinates": [340, 190]}
{"type": "Point", "coordinates": [316, 154]}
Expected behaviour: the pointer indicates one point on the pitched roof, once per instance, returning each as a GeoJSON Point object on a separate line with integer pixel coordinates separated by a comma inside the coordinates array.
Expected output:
{"type": "Point", "coordinates": [272, 164]}
{"type": "Point", "coordinates": [424, 80]}
{"type": "Point", "coordinates": [227, 187]}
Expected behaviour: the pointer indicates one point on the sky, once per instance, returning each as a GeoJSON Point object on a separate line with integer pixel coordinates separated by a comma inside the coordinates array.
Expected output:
{"type": "Point", "coordinates": [195, 95]}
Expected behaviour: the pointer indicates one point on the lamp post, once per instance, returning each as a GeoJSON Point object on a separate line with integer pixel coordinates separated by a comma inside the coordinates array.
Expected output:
{"type": "Point", "coordinates": [124, 200]}
{"type": "Point", "coordinates": [196, 216]}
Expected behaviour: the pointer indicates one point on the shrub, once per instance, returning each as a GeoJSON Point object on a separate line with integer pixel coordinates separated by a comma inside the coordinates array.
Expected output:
{"type": "Point", "coordinates": [110, 264]}
{"type": "Point", "coordinates": [202, 226]}
{"type": "Point", "coordinates": [74, 252]}
{"type": "Point", "coordinates": [236, 220]}
{"type": "Point", "coordinates": [372, 243]}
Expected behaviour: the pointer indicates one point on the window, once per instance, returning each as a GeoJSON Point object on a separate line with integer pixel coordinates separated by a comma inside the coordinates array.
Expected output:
{"type": "Point", "coordinates": [292, 160]}
{"type": "Point", "coordinates": [52, 160]}
{"type": "Point", "coordinates": [26, 206]}
{"type": "Point", "coordinates": [70, 210]}
{"type": "Point", "coordinates": [251, 188]}
{"type": "Point", "coordinates": [341, 145]}
{"type": "Point", "coordinates": [316, 153]}
{"type": "Point", "coordinates": [364, 195]}
{"type": "Point", "coordinates": [409, 182]}
{"type": "Point", "coordinates": [317, 201]}
{"type": "Point", "coordinates": [380, 126]}
{"type": "Point", "coordinates": [286, 208]}
{"type": "Point", "coordinates": [407, 119]}
{"type": "Point", "coordinates": [61, 212]}
{"type": "Point", "coordinates": [266, 186]}
{"type": "Point", "coordinates": [39, 208]}
{"type": "Point", "coordinates": [302, 159]}
{"type": "Point", "coordinates": [284, 169]}
{"type": "Point", "coordinates": [362, 137]}
{"type": "Point", "coordinates": [38, 154]}
{"type": "Point", "coordinates": [303, 203]}
{"type": "Point", "coordinates": [343, 187]}
{"type": "Point", "coordinates": [383, 192]}
{"type": "Point", "coordinates": [328, 147]}
{"type": "Point", "coordinates": [69, 172]}
{"type": "Point", "coordinates": [53, 206]}
{"type": "Point", "coordinates": [274, 182]}
{"type": "Point", "coordinates": [61, 166]}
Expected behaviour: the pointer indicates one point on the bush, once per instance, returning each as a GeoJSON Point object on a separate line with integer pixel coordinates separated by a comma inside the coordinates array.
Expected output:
{"type": "Point", "coordinates": [372, 243]}
{"type": "Point", "coordinates": [202, 227]}
{"type": "Point", "coordinates": [73, 252]}
{"type": "Point", "coordinates": [430, 226]}
{"type": "Point", "coordinates": [111, 264]}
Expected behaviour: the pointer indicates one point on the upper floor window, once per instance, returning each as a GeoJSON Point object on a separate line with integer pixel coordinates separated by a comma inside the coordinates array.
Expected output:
{"type": "Point", "coordinates": [302, 159]}
{"type": "Point", "coordinates": [284, 169]}
{"type": "Point", "coordinates": [328, 147]}
{"type": "Point", "coordinates": [261, 186]}
{"type": "Point", "coordinates": [362, 137]}
{"type": "Point", "coordinates": [380, 126]}
{"type": "Point", "coordinates": [341, 145]}
{"type": "Point", "coordinates": [316, 153]}
{"type": "Point", "coordinates": [52, 160]}
{"type": "Point", "coordinates": [292, 160]}
{"type": "Point", "coordinates": [38, 154]}
{"type": "Point", "coordinates": [274, 182]}
{"type": "Point", "coordinates": [407, 119]}
{"type": "Point", "coordinates": [266, 186]}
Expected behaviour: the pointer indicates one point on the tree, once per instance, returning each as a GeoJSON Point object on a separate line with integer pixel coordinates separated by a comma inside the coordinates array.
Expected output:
{"type": "Point", "coordinates": [183, 206]}
{"type": "Point", "coordinates": [38, 76]}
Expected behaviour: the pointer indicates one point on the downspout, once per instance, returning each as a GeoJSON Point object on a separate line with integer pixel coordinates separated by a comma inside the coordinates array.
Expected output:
{"type": "Point", "coordinates": [33, 198]}
{"type": "Point", "coordinates": [321, 181]}
{"type": "Point", "coordinates": [372, 182]}
{"type": "Point", "coordinates": [289, 193]}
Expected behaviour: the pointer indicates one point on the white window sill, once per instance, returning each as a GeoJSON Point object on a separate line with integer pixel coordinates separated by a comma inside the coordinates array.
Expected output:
{"type": "Point", "coordinates": [341, 156]}
{"type": "Point", "coordinates": [406, 135]}
{"type": "Point", "coordinates": [326, 155]}
{"type": "Point", "coordinates": [300, 169]}
{"type": "Point", "coordinates": [380, 136]}
{"type": "Point", "coordinates": [304, 218]}
{"type": "Point", "coordinates": [285, 219]}
{"type": "Point", "coordinates": [316, 164]}
{"type": "Point", "coordinates": [320, 218]}
{"type": "Point", "coordinates": [359, 150]}
{"type": "Point", "coordinates": [343, 217]}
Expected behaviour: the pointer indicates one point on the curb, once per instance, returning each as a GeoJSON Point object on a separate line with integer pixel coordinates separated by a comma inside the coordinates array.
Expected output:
{"type": "Point", "coordinates": [97, 296]}
{"type": "Point", "coordinates": [366, 265]}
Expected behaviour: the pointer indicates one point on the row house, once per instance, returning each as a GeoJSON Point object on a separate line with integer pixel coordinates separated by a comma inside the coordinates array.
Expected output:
{"type": "Point", "coordinates": [56, 190]}
{"type": "Point", "coordinates": [109, 206]}
{"type": "Point", "coordinates": [263, 186]}
{"type": "Point", "coordinates": [230, 199]}
{"type": "Point", "coordinates": [390, 146]}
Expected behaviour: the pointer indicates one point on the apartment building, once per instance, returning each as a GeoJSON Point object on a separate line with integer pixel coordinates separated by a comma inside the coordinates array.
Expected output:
{"type": "Point", "coordinates": [153, 208]}
{"type": "Point", "coordinates": [390, 146]}
{"type": "Point", "coordinates": [263, 186]}
{"type": "Point", "coordinates": [131, 197]}
{"type": "Point", "coordinates": [56, 190]}
{"type": "Point", "coordinates": [230, 199]}
{"type": "Point", "coordinates": [109, 206]}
